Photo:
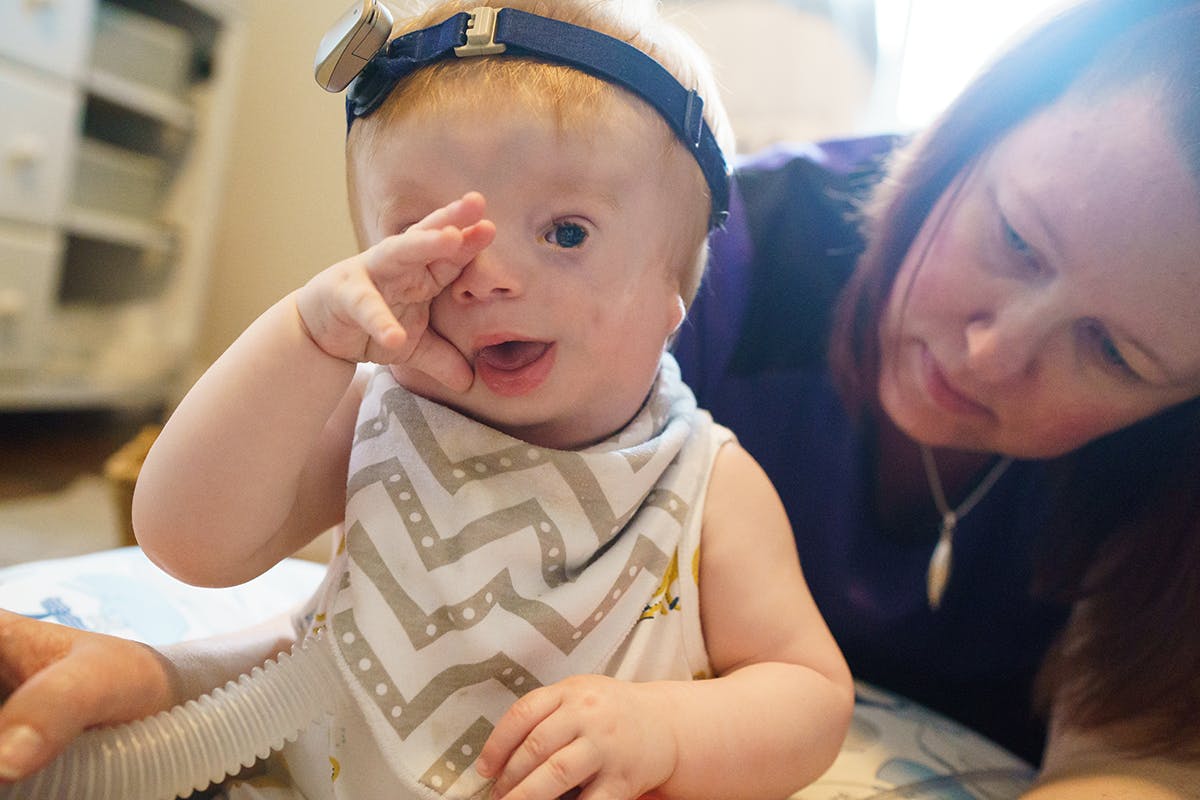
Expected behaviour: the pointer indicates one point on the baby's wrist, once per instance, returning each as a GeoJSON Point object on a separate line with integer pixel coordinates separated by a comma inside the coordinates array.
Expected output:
{"type": "Point", "coordinates": [307, 332]}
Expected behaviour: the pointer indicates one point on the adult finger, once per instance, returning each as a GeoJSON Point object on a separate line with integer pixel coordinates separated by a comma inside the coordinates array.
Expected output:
{"type": "Point", "coordinates": [81, 690]}
{"type": "Point", "coordinates": [28, 645]}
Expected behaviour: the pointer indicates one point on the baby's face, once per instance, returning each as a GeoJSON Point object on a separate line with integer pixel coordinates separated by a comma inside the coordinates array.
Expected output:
{"type": "Point", "coordinates": [564, 317]}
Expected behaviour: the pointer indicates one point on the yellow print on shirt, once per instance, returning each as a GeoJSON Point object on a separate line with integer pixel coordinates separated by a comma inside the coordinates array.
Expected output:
{"type": "Point", "coordinates": [666, 598]}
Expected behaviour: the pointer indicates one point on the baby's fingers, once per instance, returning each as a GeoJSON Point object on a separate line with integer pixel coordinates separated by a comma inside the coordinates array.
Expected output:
{"type": "Point", "coordinates": [440, 360]}
{"type": "Point", "coordinates": [462, 213]}
{"type": "Point", "coordinates": [367, 311]}
{"type": "Point", "coordinates": [574, 765]}
{"type": "Point", "coordinates": [464, 217]}
{"type": "Point", "coordinates": [514, 728]}
{"type": "Point", "coordinates": [414, 266]}
{"type": "Point", "coordinates": [474, 240]}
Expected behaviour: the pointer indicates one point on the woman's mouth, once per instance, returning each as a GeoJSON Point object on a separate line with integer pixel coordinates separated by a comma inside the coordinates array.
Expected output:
{"type": "Point", "coordinates": [943, 394]}
{"type": "Point", "coordinates": [514, 367]}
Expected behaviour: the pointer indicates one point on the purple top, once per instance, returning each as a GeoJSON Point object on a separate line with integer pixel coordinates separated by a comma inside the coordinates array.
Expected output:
{"type": "Point", "coordinates": [753, 350]}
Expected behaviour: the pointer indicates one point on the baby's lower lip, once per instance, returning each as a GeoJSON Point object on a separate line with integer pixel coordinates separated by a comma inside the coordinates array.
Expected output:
{"type": "Point", "coordinates": [515, 370]}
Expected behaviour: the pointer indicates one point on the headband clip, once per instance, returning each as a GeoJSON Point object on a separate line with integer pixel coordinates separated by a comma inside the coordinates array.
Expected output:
{"type": "Point", "coordinates": [481, 34]}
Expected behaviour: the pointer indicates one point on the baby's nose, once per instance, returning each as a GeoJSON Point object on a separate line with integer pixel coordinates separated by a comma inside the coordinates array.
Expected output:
{"type": "Point", "coordinates": [488, 276]}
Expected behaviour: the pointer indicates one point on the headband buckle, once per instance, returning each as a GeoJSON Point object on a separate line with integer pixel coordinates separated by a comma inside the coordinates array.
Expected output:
{"type": "Point", "coordinates": [481, 34]}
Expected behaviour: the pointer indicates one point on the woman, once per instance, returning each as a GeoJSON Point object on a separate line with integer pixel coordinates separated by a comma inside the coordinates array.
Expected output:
{"type": "Point", "coordinates": [1029, 289]}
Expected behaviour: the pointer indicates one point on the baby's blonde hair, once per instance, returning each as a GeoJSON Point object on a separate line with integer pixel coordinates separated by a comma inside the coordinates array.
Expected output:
{"type": "Point", "coordinates": [572, 96]}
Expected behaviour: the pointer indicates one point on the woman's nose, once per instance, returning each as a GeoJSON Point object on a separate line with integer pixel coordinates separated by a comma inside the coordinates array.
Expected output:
{"type": "Point", "coordinates": [490, 275]}
{"type": "Point", "coordinates": [1006, 344]}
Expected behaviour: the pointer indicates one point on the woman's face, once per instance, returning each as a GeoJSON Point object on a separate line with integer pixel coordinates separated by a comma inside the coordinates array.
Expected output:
{"type": "Point", "coordinates": [1053, 295]}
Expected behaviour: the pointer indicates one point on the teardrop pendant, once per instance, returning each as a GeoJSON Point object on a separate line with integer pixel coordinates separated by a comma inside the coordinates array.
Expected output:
{"type": "Point", "coordinates": [938, 574]}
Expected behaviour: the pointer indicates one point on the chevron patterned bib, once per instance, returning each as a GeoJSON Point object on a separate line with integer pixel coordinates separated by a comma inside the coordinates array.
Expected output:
{"type": "Point", "coordinates": [477, 567]}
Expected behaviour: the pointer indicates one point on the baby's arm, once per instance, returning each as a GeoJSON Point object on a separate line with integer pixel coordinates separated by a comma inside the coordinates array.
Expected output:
{"type": "Point", "coordinates": [252, 464]}
{"type": "Point", "coordinates": [771, 722]}
{"type": "Point", "coordinates": [776, 717]}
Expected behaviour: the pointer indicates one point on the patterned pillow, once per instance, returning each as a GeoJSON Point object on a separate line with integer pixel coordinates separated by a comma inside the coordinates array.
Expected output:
{"type": "Point", "coordinates": [121, 592]}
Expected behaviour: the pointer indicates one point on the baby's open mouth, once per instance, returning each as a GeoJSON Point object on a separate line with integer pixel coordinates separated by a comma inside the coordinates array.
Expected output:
{"type": "Point", "coordinates": [511, 356]}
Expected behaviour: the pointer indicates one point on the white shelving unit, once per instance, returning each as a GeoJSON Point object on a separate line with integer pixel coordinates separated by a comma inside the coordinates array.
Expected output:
{"type": "Point", "coordinates": [114, 120]}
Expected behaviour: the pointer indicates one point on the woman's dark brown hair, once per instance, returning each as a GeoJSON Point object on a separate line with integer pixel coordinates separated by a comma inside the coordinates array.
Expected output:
{"type": "Point", "coordinates": [1124, 542]}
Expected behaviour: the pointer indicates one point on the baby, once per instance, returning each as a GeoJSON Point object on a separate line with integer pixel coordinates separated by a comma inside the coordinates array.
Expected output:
{"type": "Point", "coordinates": [553, 572]}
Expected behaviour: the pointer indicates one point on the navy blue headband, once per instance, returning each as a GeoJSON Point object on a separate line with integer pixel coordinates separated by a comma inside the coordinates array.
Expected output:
{"type": "Point", "coordinates": [488, 31]}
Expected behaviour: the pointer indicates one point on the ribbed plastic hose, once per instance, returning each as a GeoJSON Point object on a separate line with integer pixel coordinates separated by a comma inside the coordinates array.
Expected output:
{"type": "Point", "coordinates": [196, 744]}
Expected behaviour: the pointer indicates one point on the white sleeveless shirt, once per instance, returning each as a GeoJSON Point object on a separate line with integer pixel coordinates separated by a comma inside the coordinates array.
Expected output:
{"type": "Point", "coordinates": [475, 568]}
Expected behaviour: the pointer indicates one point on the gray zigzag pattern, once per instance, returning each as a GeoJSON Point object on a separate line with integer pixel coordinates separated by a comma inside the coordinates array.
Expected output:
{"type": "Point", "coordinates": [458, 757]}
{"type": "Point", "coordinates": [406, 715]}
{"type": "Point", "coordinates": [437, 551]}
{"type": "Point", "coordinates": [401, 405]}
{"type": "Point", "coordinates": [425, 627]}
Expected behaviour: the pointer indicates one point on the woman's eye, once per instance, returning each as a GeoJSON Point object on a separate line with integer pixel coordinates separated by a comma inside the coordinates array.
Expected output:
{"type": "Point", "coordinates": [566, 235]}
{"type": "Point", "coordinates": [1016, 243]}
{"type": "Point", "coordinates": [1108, 352]}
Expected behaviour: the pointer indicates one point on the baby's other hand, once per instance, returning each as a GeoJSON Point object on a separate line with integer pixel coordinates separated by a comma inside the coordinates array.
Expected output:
{"type": "Point", "coordinates": [605, 736]}
{"type": "Point", "coordinates": [375, 306]}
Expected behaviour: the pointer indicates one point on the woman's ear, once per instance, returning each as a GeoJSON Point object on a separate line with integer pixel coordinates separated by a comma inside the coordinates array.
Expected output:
{"type": "Point", "coordinates": [678, 315]}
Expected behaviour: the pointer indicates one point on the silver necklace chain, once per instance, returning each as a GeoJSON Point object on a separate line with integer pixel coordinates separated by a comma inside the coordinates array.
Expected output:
{"type": "Point", "coordinates": [938, 574]}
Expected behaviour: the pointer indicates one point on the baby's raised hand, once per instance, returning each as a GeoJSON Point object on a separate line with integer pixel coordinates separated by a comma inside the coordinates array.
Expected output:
{"type": "Point", "coordinates": [375, 306]}
{"type": "Point", "coordinates": [610, 738]}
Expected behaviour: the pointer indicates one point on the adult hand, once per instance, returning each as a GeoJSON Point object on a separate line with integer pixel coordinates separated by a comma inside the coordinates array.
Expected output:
{"type": "Point", "coordinates": [605, 736]}
{"type": "Point", "coordinates": [375, 306]}
{"type": "Point", "coordinates": [56, 681]}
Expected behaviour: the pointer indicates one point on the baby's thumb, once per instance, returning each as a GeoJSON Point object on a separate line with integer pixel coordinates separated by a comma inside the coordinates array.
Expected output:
{"type": "Point", "coordinates": [442, 361]}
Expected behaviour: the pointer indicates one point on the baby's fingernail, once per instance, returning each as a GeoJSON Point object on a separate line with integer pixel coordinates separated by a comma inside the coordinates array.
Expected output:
{"type": "Point", "coordinates": [19, 748]}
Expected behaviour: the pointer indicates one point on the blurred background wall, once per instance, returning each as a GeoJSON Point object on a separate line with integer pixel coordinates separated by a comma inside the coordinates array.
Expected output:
{"type": "Point", "coordinates": [283, 216]}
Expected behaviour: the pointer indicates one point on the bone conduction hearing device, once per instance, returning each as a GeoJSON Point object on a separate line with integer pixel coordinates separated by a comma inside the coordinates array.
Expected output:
{"type": "Point", "coordinates": [355, 53]}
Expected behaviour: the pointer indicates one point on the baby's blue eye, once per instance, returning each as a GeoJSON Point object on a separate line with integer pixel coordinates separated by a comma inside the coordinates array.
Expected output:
{"type": "Point", "coordinates": [567, 234]}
